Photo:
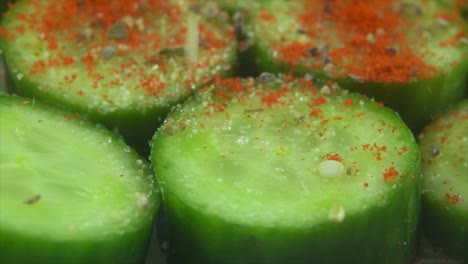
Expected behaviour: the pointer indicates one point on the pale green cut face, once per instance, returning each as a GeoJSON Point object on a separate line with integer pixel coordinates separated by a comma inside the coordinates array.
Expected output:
{"type": "Point", "coordinates": [444, 148]}
{"type": "Point", "coordinates": [280, 165]}
{"type": "Point", "coordinates": [64, 179]}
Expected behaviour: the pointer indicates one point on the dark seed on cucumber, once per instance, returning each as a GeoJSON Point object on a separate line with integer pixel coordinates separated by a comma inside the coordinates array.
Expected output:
{"type": "Point", "coordinates": [444, 147]}
{"type": "Point", "coordinates": [280, 172]}
{"type": "Point", "coordinates": [110, 61]}
{"type": "Point", "coordinates": [70, 190]}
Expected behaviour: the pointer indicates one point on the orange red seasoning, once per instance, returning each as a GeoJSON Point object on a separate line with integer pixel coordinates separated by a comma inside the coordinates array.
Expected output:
{"type": "Point", "coordinates": [71, 26]}
{"type": "Point", "coordinates": [360, 32]}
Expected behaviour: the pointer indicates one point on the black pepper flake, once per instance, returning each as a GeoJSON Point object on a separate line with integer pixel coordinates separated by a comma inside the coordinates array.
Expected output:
{"type": "Point", "coordinates": [313, 51]}
{"type": "Point", "coordinates": [118, 31]}
{"type": "Point", "coordinates": [391, 51]}
{"type": "Point", "coordinates": [301, 31]}
{"type": "Point", "coordinates": [327, 7]}
{"type": "Point", "coordinates": [434, 151]}
{"type": "Point", "coordinates": [253, 110]}
{"type": "Point", "coordinates": [34, 199]}
{"type": "Point", "coordinates": [266, 77]}
{"type": "Point", "coordinates": [108, 52]}
{"type": "Point", "coordinates": [410, 9]}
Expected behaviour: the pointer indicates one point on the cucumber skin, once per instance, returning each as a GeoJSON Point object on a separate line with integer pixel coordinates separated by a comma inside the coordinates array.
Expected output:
{"type": "Point", "coordinates": [417, 102]}
{"type": "Point", "coordinates": [229, 243]}
{"type": "Point", "coordinates": [446, 228]}
{"type": "Point", "coordinates": [127, 248]}
{"type": "Point", "coordinates": [191, 236]}
{"type": "Point", "coordinates": [136, 127]}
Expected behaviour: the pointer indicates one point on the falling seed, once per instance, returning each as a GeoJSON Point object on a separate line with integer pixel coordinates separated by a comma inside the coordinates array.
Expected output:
{"type": "Point", "coordinates": [330, 168]}
{"type": "Point", "coordinates": [309, 77]}
{"type": "Point", "coordinates": [108, 52]}
{"type": "Point", "coordinates": [435, 151]}
{"type": "Point", "coordinates": [118, 31]}
{"type": "Point", "coordinates": [356, 78]}
{"type": "Point", "coordinates": [371, 38]}
{"type": "Point", "coordinates": [86, 34]}
{"type": "Point", "coordinates": [325, 90]}
{"type": "Point", "coordinates": [266, 77]}
{"type": "Point", "coordinates": [142, 201]}
{"type": "Point", "coordinates": [34, 199]}
{"type": "Point", "coordinates": [337, 213]}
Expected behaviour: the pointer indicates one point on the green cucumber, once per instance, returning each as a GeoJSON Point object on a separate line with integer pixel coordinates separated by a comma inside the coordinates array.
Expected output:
{"type": "Point", "coordinates": [410, 55]}
{"type": "Point", "coordinates": [124, 64]}
{"type": "Point", "coordinates": [277, 171]}
{"type": "Point", "coordinates": [444, 148]}
{"type": "Point", "coordinates": [70, 190]}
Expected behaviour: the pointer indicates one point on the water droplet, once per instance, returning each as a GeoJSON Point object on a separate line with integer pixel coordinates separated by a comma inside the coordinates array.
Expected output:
{"type": "Point", "coordinates": [126, 149]}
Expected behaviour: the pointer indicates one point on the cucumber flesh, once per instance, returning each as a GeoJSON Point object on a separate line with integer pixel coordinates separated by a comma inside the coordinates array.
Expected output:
{"type": "Point", "coordinates": [282, 172]}
{"type": "Point", "coordinates": [70, 190]}
{"type": "Point", "coordinates": [125, 65]}
{"type": "Point", "coordinates": [444, 147]}
{"type": "Point", "coordinates": [410, 55]}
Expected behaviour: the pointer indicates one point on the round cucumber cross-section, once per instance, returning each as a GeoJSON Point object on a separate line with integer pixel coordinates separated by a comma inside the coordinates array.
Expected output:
{"type": "Point", "coordinates": [277, 171]}
{"type": "Point", "coordinates": [70, 190]}
{"type": "Point", "coordinates": [444, 148]}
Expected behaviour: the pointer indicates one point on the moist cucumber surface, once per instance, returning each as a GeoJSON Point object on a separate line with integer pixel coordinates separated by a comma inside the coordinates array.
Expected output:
{"type": "Point", "coordinates": [124, 64]}
{"type": "Point", "coordinates": [411, 55]}
{"type": "Point", "coordinates": [282, 172]}
{"type": "Point", "coordinates": [444, 147]}
{"type": "Point", "coordinates": [70, 190]}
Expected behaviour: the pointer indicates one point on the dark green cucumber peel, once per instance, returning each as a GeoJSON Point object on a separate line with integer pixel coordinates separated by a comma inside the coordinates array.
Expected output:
{"type": "Point", "coordinates": [444, 151]}
{"type": "Point", "coordinates": [417, 101]}
{"type": "Point", "coordinates": [134, 106]}
{"type": "Point", "coordinates": [246, 186]}
{"type": "Point", "coordinates": [70, 190]}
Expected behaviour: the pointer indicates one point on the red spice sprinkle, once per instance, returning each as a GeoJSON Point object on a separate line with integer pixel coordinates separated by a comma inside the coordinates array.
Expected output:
{"type": "Point", "coordinates": [357, 25]}
{"type": "Point", "coordinates": [319, 101]}
{"type": "Point", "coordinates": [453, 199]}
{"type": "Point", "coordinates": [82, 27]}
{"type": "Point", "coordinates": [390, 174]}
{"type": "Point", "coordinates": [333, 156]}
{"type": "Point", "coordinates": [366, 184]}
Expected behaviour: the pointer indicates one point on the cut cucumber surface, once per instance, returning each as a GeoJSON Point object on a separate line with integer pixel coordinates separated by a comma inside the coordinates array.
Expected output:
{"type": "Point", "coordinates": [277, 171]}
{"type": "Point", "coordinates": [125, 64]}
{"type": "Point", "coordinates": [410, 55]}
{"type": "Point", "coordinates": [444, 148]}
{"type": "Point", "coordinates": [70, 190]}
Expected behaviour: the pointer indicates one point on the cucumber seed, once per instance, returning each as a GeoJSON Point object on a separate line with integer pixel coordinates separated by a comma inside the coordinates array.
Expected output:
{"type": "Point", "coordinates": [337, 213]}
{"type": "Point", "coordinates": [330, 168]}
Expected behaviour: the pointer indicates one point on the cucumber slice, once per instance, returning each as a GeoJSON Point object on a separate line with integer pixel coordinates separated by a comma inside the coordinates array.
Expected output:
{"type": "Point", "coordinates": [444, 147]}
{"type": "Point", "coordinates": [277, 171]}
{"type": "Point", "coordinates": [410, 55]}
{"type": "Point", "coordinates": [70, 190]}
{"type": "Point", "coordinates": [124, 64]}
